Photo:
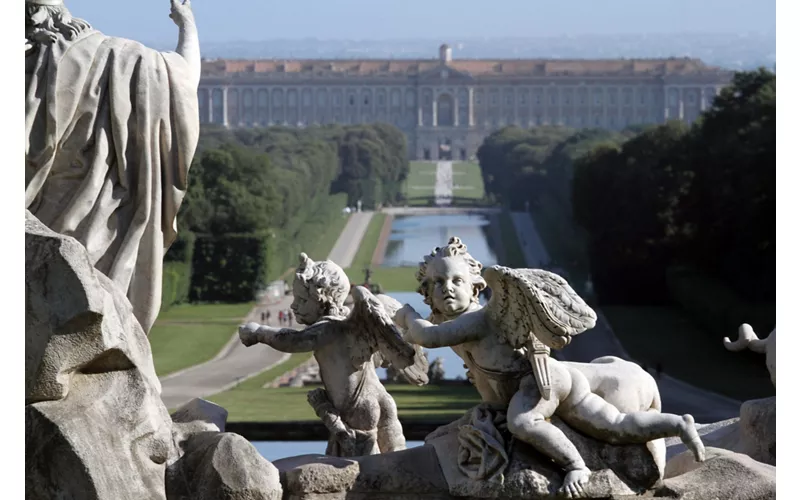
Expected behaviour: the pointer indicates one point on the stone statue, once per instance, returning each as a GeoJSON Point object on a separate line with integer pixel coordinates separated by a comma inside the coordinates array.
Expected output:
{"type": "Point", "coordinates": [506, 347]}
{"type": "Point", "coordinates": [749, 340]}
{"type": "Point", "coordinates": [111, 128]}
{"type": "Point", "coordinates": [355, 407]}
{"type": "Point", "coordinates": [436, 371]}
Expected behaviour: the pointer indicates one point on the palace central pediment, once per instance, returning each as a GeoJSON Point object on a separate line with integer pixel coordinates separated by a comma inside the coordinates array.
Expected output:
{"type": "Point", "coordinates": [444, 74]}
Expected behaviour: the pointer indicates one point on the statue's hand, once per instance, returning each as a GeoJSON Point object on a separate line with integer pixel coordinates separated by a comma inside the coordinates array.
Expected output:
{"type": "Point", "coordinates": [401, 316]}
{"type": "Point", "coordinates": [248, 334]}
{"type": "Point", "coordinates": [181, 12]}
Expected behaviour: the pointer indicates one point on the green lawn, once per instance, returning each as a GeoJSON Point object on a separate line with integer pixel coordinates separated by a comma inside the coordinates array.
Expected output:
{"type": "Point", "coordinates": [513, 256]}
{"type": "Point", "coordinates": [366, 249]}
{"type": "Point", "coordinates": [249, 402]}
{"type": "Point", "coordinates": [391, 279]}
{"type": "Point", "coordinates": [563, 239]}
{"type": "Point", "coordinates": [665, 335]}
{"type": "Point", "coordinates": [467, 180]}
{"type": "Point", "coordinates": [421, 179]}
{"type": "Point", "coordinates": [189, 334]}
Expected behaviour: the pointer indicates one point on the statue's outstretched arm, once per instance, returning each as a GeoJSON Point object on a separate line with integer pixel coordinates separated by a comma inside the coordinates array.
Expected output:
{"type": "Point", "coordinates": [188, 42]}
{"type": "Point", "coordinates": [283, 339]}
{"type": "Point", "coordinates": [467, 327]}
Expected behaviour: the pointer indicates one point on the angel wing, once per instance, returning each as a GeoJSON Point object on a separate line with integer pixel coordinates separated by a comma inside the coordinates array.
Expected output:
{"type": "Point", "coordinates": [374, 324]}
{"type": "Point", "coordinates": [416, 373]}
{"type": "Point", "coordinates": [536, 302]}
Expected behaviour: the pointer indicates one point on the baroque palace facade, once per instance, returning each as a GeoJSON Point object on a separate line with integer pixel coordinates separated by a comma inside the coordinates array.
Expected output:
{"type": "Point", "coordinates": [447, 107]}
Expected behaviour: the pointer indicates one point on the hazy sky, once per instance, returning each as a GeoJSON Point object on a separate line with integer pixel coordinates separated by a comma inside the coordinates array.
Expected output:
{"type": "Point", "coordinates": [232, 20]}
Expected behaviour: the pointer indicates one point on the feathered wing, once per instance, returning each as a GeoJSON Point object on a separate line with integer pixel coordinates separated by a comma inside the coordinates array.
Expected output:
{"type": "Point", "coordinates": [536, 302]}
{"type": "Point", "coordinates": [416, 373]}
{"type": "Point", "coordinates": [373, 323]}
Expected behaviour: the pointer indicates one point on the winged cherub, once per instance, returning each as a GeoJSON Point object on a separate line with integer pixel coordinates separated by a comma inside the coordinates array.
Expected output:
{"type": "Point", "coordinates": [505, 346]}
{"type": "Point", "coordinates": [360, 415]}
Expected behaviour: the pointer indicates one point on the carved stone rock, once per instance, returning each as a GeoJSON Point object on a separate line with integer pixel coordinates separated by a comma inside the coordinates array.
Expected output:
{"type": "Point", "coordinates": [753, 433]}
{"type": "Point", "coordinates": [724, 474]}
{"type": "Point", "coordinates": [213, 464]}
{"type": "Point", "coordinates": [617, 470]}
{"type": "Point", "coordinates": [95, 426]}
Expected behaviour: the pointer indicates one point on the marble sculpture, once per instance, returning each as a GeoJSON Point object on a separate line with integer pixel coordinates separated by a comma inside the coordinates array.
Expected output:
{"type": "Point", "coordinates": [359, 413]}
{"type": "Point", "coordinates": [506, 347]}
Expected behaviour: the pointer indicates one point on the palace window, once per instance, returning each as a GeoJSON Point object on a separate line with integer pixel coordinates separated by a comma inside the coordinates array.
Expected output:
{"type": "Point", "coordinates": [478, 98]}
{"type": "Point", "coordinates": [366, 100]}
{"type": "Point", "coordinates": [553, 99]}
{"type": "Point", "coordinates": [395, 98]}
{"type": "Point", "coordinates": [598, 99]}
{"type": "Point", "coordinates": [509, 100]}
{"type": "Point", "coordinates": [337, 100]}
{"type": "Point", "coordinates": [523, 99]}
{"type": "Point", "coordinates": [306, 98]}
{"type": "Point", "coordinates": [612, 98]}
{"type": "Point", "coordinates": [582, 100]}
{"type": "Point", "coordinates": [381, 100]}
{"type": "Point", "coordinates": [321, 98]}
{"type": "Point", "coordinates": [537, 99]}
{"type": "Point", "coordinates": [292, 98]}
{"type": "Point", "coordinates": [352, 100]}
{"type": "Point", "coordinates": [692, 98]}
{"type": "Point", "coordinates": [493, 100]}
{"type": "Point", "coordinates": [566, 99]}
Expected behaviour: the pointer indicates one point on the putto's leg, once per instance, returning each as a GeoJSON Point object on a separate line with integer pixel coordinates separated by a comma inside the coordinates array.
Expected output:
{"type": "Point", "coordinates": [527, 412]}
{"type": "Point", "coordinates": [601, 420]}
{"type": "Point", "coordinates": [390, 432]}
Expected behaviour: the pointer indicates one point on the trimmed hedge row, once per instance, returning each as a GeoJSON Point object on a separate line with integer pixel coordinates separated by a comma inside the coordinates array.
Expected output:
{"type": "Point", "coordinates": [177, 273]}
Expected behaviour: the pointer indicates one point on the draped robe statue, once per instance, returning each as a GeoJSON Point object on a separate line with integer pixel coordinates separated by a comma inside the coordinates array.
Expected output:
{"type": "Point", "coordinates": [111, 128]}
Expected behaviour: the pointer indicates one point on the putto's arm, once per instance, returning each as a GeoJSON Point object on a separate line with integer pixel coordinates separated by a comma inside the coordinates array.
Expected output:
{"type": "Point", "coordinates": [284, 339]}
{"type": "Point", "coordinates": [467, 327]}
{"type": "Point", "coordinates": [188, 42]}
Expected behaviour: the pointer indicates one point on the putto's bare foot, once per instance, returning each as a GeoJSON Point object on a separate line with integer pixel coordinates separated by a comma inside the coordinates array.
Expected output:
{"type": "Point", "coordinates": [692, 440]}
{"type": "Point", "coordinates": [574, 482]}
{"type": "Point", "coordinates": [248, 334]}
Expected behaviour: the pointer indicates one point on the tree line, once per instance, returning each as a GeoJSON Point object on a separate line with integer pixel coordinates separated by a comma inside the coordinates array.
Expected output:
{"type": "Point", "coordinates": [672, 213]}
{"type": "Point", "coordinates": [257, 197]}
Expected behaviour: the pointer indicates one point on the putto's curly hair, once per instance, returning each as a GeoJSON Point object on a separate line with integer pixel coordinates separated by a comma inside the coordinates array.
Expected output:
{"type": "Point", "coordinates": [326, 283]}
{"type": "Point", "coordinates": [45, 23]}
{"type": "Point", "coordinates": [454, 248]}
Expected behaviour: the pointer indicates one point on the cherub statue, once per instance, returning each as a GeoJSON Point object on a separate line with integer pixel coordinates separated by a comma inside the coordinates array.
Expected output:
{"type": "Point", "coordinates": [360, 415]}
{"type": "Point", "coordinates": [506, 345]}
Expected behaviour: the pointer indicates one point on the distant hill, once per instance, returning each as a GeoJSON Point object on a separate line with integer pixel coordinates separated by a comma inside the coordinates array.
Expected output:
{"type": "Point", "coordinates": [734, 51]}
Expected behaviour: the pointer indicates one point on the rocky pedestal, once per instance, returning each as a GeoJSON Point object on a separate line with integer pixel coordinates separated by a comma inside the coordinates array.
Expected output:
{"type": "Point", "coordinates": [95, 425]}
{"type": "Point", "coordinates": [752, 434]}
{"type": "Point", "coordinates": [440, 470]}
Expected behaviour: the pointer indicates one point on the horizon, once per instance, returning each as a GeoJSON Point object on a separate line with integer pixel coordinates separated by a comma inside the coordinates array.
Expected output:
{"type": "Point", "coordinates": [363, 20]}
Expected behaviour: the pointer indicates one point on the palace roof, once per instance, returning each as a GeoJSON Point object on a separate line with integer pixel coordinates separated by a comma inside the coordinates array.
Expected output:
{"type": "Point", "coordinates": [474, 67]}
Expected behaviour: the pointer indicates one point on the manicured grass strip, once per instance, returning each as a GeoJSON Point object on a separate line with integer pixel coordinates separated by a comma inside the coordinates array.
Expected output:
{"type": "Point", "coordinates": [391, 279]}
{"type": "Point", "coordinates": [563, 238]}
{"type": "Point", "coordinates": [366, 249]}
{"type": "Point", "coordinates": [666, 335]}
{"type": "Point", "coordinates": [513, 251]}
{"type": "Point", "coordinates": [421, 179]}
{"type": "Point", "coordinates": [289, 403]}
{"type": "Point", "coordinates": [188, 334]}
{"type": "Point", "coordinates": [467, 180]}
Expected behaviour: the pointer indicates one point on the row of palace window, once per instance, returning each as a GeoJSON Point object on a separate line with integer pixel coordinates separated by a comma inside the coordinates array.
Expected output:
{"type": "Point", "coordinates": [352, 99]}
{"type": "Point", "coordinates": [597, 99]}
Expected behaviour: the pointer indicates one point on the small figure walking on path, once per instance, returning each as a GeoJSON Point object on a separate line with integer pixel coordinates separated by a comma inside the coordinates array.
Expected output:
{"type": "Point", "coordinates": [269, 316]}
{"type": "Point", "coordinates": [280, 317]}
{"type": "Point", "coordinates": [263, 316]}
{"type": "Point", "coordinates": [290, 316]}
